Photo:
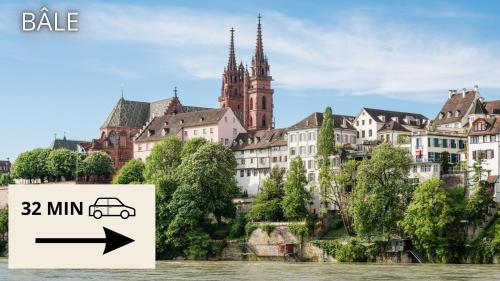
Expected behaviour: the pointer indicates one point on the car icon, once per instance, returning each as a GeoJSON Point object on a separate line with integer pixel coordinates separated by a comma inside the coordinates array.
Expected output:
{"type": "Point", "coordinates": [110, 207]}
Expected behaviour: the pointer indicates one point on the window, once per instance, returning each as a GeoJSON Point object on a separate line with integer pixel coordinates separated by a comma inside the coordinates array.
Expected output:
{"type": "Point", "coordinates": [185, 133]}
{"type": "Point", "coordinates": [263, 102]}
{"type": "Point", "coordinates": [262, 160]}
{"type": "Point", "coordinates": [362, 134]}
{"type": "Point", "coordinates": [211, 130]}
{"type": "Point", "coordinates": [479, 126]}
{"type": "Point", "coordinates": [242, 173]}
{"type": "Point", "coordinates": [370, 121]}
{"type": "Point", "coordinates": [311, 177]}
{"type": "Point", "coordinates": [204, 131]}
{"type": "Point", "coordinates": [249, 172]}
{"type": "Point", "coordinates": [461, 144]}
{"type": "Point", "coordinates": [363, 122]}
{"type": "Point", "coordinates": [436, 142]}
{"type": "Point", "coordinates": [430, 156]}
{"type": "Point", "coordinates": [242, 161]}
{"type": "Point", "coordinates": [425, 168]}
{"type": "Point", "coordinates": [418, 142]}
{"type": "Point", "coordinates": [489, 154]}
{"type": "Point", "coordinates": [453, 144]}
{"type": "Point", "coordinates": [251, 104]}
{"type": "Point", "coordinates": [123, 140]}
{"type": "Point", "coordinates": [312, 149]}
{"type": "Point", "coordinates": [473, 139]}
{"type": "Point", "coordinates": [235, 132]}
{"type": "Point", "coordinates": [275, 159]}
{"type": "Point", "coordinates": [415, 169]}
{"type": "Point", "coordinates": [292, 138]}
{"type": "Point", "coordinates": [263, 120]}
{"type": "Point", "coordinates": [370, 132]}
{"type": "Point", "coordinates": [302, 150]}
{"type": "Point", "coordinates": [292, 151]}
{"type": "Point", "coordinates": [445, 143]}
{"type": "Point", "coordinates": [309, 164]}
{"type": "Point", "coordinates": [226, 141]}
{"type": "Point", "coordinates": [139, 147]}
{"type": "Point", "coordinates": [242, 152]}
{"type": "Point", "coordinates": [493, 138]}
{"type": "Point", "coordinates": [195, 132]}
{"type": "Point", "coordinates": [357, 123]}
{"type": "Point", "coordinates": [301, 137]}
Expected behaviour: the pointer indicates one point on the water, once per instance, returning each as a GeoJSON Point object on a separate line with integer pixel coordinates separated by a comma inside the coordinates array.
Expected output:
{"type": "Point", "coordinates": [235, 270]}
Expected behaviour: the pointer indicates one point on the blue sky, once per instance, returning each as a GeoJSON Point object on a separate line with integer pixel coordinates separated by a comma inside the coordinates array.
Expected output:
{"type": "Point", "coordinates": [398, 55]}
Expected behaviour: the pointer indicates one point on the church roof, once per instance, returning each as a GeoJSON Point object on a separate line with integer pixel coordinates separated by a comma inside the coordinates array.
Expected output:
{"type": "Point", "coordinates": [170, 125]}
{"type": "Point", "coordinates": [65, 143]}
{"type": "Point", "coordinates": [128, 114]}
{"type": "Point", "coordinates": [260, 139]}
{"type": "Point", "coordinates": [316, 119]}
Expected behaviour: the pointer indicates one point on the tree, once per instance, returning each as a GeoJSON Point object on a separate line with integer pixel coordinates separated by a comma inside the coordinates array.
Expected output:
{"type": "Point", "coordinates": [382, 191]}
{"type": "Point", "coordinates": [445, 161]}
{"type": "Point", "coordinates": [6, 179]}
{"type": "Point", "coordinates": [427, 218]}
{"type": "Point", "coordinates": [210, 173]}
{"type": "Point", "coordinates": [62, 163]}
{"type": "Point", "coordinates": [480, 200]}
{"type": "Point", "coordinates": [267, 204]}
{"type": "Point", "coordinates": [191, 146]}
{"type": "Point", "coordinates": [39, 158]}
{"type": "Point", "coordinates": [296, 196]}
{"type": "Point", "coordinates": [326, 137]}
{"type": "Point", "coordinates": [132, 172]}
{"type": "Point", "coordinates": [343, 182]}
{"type": "Point", "coordinates": [31, 165]}
{"type": "Point", "coordinates": [97, 164]}
{"type": "Point", "coordinates": [164, 159]}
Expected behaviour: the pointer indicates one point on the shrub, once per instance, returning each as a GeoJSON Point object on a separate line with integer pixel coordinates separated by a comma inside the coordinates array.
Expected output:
{"type": "Point", "coordinates": [329, 247]}
{"type": "Point", "coordinates": [300, 230]}
{"type": "Point", "coordinates": [267, 227]}
{"type": "Point", "coordinates": [238, 227]}
{"type": "Point", "coordinates": [250, 227]}
{"type": "Point", "coordinates": [353, 251]}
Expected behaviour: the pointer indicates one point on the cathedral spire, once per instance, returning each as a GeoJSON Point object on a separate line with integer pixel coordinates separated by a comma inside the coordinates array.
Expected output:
{"type": "Point", "coordinates": [231, 64]}
{"type": "Point", "coordinates": [259, 48]}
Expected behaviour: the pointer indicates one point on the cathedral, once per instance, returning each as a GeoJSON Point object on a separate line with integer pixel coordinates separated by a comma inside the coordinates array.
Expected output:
{"type": "Point", "coordinates": [249, 95]}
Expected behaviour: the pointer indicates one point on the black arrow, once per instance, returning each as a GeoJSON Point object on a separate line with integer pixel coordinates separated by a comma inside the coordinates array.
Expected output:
{"type": "Point", "coordinates": [113, 240]}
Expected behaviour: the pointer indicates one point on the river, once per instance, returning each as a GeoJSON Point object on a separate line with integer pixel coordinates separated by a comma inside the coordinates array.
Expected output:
{"type": "Point", "coordinates": [235, 270]}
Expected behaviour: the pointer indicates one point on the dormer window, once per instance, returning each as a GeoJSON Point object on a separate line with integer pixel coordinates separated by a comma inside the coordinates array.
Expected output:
{"type": "Point", "coordinates": [240, 142]}
{"type": "Point", "coordinates": [165, 131]}
{"type": "Point", "coordinates": [249, 140]}
{"type": "Point", "coordinates": [480, 126]}
{"type": "Point", "coordinates": [395, 119]}
{"type": "Point", "coordinates": [151, 133]}
{"type": "Point", "coordinates": [181, 121]}
{"type": "Point", "coordinates": [448, 114]}
{"type": "Point", "coordinates": [166, 123]}
{"type": "Point", "coordinates": [441, 115]}
{"type": "Point", "coordinates": [202, 119]}
{"type": "Point", "coordinates": [457, 113]}
{"type": "Point", "coordinates": [382, 118]}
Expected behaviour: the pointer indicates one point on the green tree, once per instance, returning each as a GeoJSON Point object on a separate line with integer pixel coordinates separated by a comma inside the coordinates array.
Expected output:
{"type": "Point", "coordinates": [210, 173]}
{"type": "Point", "coordinates": [267, 204]}
{"type": "Point", "coordinates": [326, 137]}
{"type": "Point", "coordinates": [97, 164]}
{"type": "Point", "coordinates": [132, 172]}
{"type": "Point", "coordinates": [6, 179]}
{"type": "Point", "coordinates": [382, 191]}
{"type": "Point", "coordinates": [164, 159]}
{"type": "Point", "coordinates": [427, 218]}
{"type": "Point", "coordinates": [191, 146]}
{"type": "Point", "coordinates": [296, 196]}
{"type": "Point", "coordinates": [480, 200]}
{"type": "Point", "coordinates": [39, 158]}
{"type": "Point", "coordinates": [62, 163]}
{"type": "Point", "coordinates": [343, 182]}
{"type": "Point", "coordinates": [445, 161]}
{"type": "Point", "coordinates": [31, 165]}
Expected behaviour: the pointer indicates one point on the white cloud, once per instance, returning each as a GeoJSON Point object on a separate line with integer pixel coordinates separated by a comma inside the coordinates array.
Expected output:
{"type": "Point", "coordinates": [356, 55]}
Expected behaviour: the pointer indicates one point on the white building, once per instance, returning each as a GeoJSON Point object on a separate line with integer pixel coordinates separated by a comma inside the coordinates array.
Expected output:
{"type": "Point", "coordinates": [391, 124]}
{"type": "Point", "coordinates": [211, 124]}
{"type": "Point", "coordinates": [455, 113]}
{"type": "Point", "coordinates": [256, 154]}
{"type": "Point", "coordinates": [302, 141]}
{"type": "Point", "coordinates": [484, 143]}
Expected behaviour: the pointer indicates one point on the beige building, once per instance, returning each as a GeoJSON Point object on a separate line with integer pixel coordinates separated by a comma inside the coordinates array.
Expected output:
{"type": "Point", "coordinates": [215, 125]}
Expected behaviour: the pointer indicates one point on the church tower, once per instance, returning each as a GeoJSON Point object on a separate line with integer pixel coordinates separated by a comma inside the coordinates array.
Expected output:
{"type": "Point", "coordinates": [232, 83]}
{"type": "Point", "coordinates": [259, 95]}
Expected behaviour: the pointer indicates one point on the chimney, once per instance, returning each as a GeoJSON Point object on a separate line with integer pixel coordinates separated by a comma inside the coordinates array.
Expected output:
{"type": "Point", "coordinates": [450, 92]}
{"type": "Point", "coordinates": [476, 88]}
{"type": "Point", "coordinates": [463, 92]}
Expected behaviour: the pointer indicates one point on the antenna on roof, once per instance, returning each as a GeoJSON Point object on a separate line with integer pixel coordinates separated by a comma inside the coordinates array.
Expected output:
{"type": "Point", "coordinates": [122, 90]}
{"type": "Point", "coordinates": [55, 136]}
{"type": "Point", "coordinates": [64, 135]}
{"type": "Point", "coordinates": [175, 91]}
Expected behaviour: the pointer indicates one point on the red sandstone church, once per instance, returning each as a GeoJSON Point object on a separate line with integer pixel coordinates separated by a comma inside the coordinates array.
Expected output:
{"type": "Point", "coordinates": [248, 94]}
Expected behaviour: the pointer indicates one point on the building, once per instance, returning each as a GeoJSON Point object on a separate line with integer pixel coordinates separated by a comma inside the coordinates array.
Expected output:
{"type": "Point", "coordinates": [249, 95]}
{"type": "Point", "coordinates": [125, 121]}
{"type": "Point", "coordinates": [303, 142]}
{"type": "Point", "coordinates": [211, 124]}
{"type": "Point", "coordinates": [257, 152]}
{"type": "Point", "coordinates": [455, 113]}
{"type": "Point", "coordinates": [484, 143]}
{"type": "Point", "coordinates": [5, 166]}
{"type": "Point", "coordinates": [375, 125]}
{"type": "Point", "coordinates": [73, 145]}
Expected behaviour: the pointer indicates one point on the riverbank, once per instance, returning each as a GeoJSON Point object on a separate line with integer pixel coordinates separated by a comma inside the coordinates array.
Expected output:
{"type": "Point", "coordinates": [233, 270]}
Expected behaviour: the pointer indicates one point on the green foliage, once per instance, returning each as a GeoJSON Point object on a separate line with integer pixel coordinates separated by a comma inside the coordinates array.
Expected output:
{"type": "Point", "coordinates": [62, 163]}
{"type": "Point", "coordinates": [132, 172]}
{"type": "Point", "coordinates": [483, 251]}
{"type": "Point", "coordinates": [238, 226]}
{"type": "Point", "coordinates": [353, 251]}
{"type": "Point", "coordinates": [445, 161]}
{"type": "Point", "coordinates": [4, 230]}
{"type": "Point", "coordinates": [191, 146]}
{"type": "Point", "coordinates": [428, 216]}
{"type": "Point", "coordinates": [97, 164]}
{"type": "Point", "coordinates": [479, 203]}
{"type": "Point", "coordinates": [296, 196]}
{"type": "Point", "coordinates": [326, 137]}
{"type": "Point", "coordinates": [329, 247]}
{"type": "Point", "coordinates": [373, 251]}
{"type": "Point", "coordinates": [163, 160]}
{"type": "Point", "coordinates": [299, 230]}
{"type": "Point", "coordinates": [267, 227]}
{"type": "Point", "coordinates": [267, 204]}
{"type": "Point", "coordinates": [6, 179]}
{"type": "Point", "coordinates": [32, 165]}
{"type": "Point", "coordinates": [382, 191]}
{"type": "Point", "coordinates": [250, 227]}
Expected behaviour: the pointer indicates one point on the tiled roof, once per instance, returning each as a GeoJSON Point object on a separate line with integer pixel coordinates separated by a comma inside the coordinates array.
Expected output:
{"type": "Point", "coordinates": [389, 114]}
{"type": "Point", "coordinates": [492, 127]}
{"type": "Point", "coordinates": [316, 119]}
{"type": "Point", "coordinates": [393, 126]}
{"type": "Point", "coordinates": [68, 144]}
{"type": "Point", "coordinates": [479, 107]}
{"type": "Point", "coordinates": [158, 108]}
{"type": "Point", "coordinates": [169, 125]}
{"type": "Point", "coordinates": [492, 107]}
{"type": "Point", "coordinates": [188, 108]}
{"type": "Point", "coordinates": [128, 114]}
{"type": "Point", "coordinates": [458, 105]}
{"type": "Point", "coordinates": [260, 139]}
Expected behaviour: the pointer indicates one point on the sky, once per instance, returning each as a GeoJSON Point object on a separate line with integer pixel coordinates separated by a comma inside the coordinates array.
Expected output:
{"type": "Point", "coordinates": [395, 55]}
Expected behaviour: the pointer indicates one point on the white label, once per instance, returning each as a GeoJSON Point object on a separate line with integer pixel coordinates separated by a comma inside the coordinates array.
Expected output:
{"type": "Point", "coordinates": [81, 226]}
